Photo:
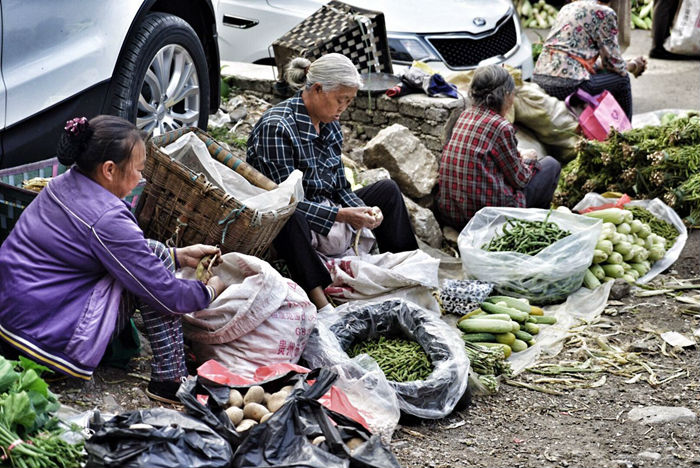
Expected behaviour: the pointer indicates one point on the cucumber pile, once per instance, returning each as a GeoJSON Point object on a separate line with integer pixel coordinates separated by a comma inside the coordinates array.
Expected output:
{"type": "Point", "coordinates": [504, 322]}
{"type": "Point", "coordinates": [538, 15]}
{"type": "Point", "coordinates": [641, 14]}
{"type": "Point", "coordinates": [626, 249]}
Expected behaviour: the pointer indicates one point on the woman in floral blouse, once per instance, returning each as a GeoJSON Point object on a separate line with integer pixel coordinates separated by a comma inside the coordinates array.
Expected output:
{"type": "Point", "coordinates": [584, 32]}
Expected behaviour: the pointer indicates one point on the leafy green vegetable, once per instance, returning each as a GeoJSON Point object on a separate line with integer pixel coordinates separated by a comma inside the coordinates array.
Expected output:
{"type": "Point", "coordinates": [30, 435]}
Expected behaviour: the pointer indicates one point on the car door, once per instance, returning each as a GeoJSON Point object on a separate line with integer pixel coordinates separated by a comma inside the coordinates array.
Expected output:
{"type": "Point", "coordinates": [247, 28]}
{"type": "Point", "coordinates": [52, 52]}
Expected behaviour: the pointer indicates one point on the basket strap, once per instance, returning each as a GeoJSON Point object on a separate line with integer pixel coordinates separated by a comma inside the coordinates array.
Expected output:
{"type": "Point", "coordinates": [174, 240]}
{"type": "Point", "coordinates": [230, 218]}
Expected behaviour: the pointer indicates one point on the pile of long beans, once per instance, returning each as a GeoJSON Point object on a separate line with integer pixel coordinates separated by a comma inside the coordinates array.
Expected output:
{"type": "Point", "coordinates": [526, 237]}
{"type": "Point", "coordinates": [401, 360]}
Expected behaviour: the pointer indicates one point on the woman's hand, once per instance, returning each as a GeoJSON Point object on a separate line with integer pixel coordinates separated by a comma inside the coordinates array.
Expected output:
{"type": "Point", "coordinates": [528, 154]}
{"type": "Point", "coordinates": [191, 255]}
{"type": "Point", "coordinates": [637, 66]}
{"type": "Point", "coordinates": [360, 216]}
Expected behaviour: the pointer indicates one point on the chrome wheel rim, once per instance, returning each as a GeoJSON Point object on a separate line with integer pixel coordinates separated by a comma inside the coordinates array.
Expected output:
{"type": "Point", "coordinates": [169, 96]}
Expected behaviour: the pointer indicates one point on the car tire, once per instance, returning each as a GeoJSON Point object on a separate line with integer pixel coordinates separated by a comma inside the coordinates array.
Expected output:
{"type": "Point", "coordinates": [148, 86]}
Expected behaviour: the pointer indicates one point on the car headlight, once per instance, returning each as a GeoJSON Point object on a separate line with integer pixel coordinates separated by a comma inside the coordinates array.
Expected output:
{"type": "Point", "coordinates": [408, 49]}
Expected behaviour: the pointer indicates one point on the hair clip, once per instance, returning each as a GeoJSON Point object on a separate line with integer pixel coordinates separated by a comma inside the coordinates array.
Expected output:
{"type": "Point", "coordinates": [76, 125]}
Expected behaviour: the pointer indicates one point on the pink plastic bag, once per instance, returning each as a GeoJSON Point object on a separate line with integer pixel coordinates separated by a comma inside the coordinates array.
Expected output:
{"type": "Point", "coordinates": [601, 113]}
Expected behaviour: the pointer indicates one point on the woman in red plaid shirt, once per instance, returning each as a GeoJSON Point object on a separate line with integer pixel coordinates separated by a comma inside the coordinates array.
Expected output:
{"type": "Point", "coordinates": [481, 165]}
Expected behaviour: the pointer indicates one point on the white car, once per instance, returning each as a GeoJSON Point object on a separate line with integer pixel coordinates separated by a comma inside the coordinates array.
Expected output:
{"type": "Point", "coordinates": [154, 62]}
{"type": "Point", "coordinates": [450, 35]}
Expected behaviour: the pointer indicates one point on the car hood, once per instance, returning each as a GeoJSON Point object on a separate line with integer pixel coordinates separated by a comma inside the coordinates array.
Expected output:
{"type": "Point", "coordinates": [420, 16]}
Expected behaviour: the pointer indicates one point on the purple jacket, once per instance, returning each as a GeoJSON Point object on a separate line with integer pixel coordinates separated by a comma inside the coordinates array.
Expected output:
{"type": "Point", "coordinates": [64, 266]}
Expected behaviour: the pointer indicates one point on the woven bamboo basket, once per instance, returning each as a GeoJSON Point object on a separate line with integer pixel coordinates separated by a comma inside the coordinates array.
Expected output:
{"type": "Point", "coordinates": [181, 208]}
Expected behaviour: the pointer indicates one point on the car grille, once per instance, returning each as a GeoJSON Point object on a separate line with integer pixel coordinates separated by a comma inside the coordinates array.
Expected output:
{"type": "Point", "coordinates": [468, 52]}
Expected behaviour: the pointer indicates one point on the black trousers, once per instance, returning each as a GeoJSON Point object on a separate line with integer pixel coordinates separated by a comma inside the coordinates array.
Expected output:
{"type": "Point", "coordinates": [662, 19]}
{"type": "Point", "coordinates": [540, 190]}
{"type": "Point", "coordinates": [395, 234]}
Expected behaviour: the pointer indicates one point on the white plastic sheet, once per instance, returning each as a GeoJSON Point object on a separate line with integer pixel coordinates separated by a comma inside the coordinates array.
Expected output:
{"type": "Point", "coordinates": [657, 208]}
{"type": "Point", "coordinates": [371, 276]}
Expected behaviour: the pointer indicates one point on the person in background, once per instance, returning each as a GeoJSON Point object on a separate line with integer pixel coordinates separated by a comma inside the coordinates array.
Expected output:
{"type": "Point", "coordinates": [584, 32]}
{"type": "Point", "coordinates": [661, 23]}
{"type": "Point", "coordinates": [76, 264]}
{"type": "Point", "coordinates": [303, 133]}
{"type": "Point", "coordinates": [481, 165]}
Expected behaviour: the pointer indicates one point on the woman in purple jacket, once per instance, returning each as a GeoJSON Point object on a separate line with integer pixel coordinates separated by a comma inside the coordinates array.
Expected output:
{"type": "Point", "coordinates": [76, 260]}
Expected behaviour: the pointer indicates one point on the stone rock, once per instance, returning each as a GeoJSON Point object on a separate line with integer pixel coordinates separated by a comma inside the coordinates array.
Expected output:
{"type": "Point", "coordinates": [650, 455]}
{"type": "Point", "coordinates": [356, 155]}
{"type": "Point", "coordinates": [620, 289]}
{"type": "Point", "coordinates": [110, 405]}
{"type": "Point", "coordinates": [424, 223]}
{"type": "Point", "coordinates": [451, 234]}
{"type": "Point", "coordinates": [371, 176]}
{"type": "Point", "coordinates": [408, 161]}
{"type": "Point", "coordinates": [661, 414]}
{"type": "Point", "coordinates": [219, 119]}
{"type": "Point", "coordinates": [238, 114]}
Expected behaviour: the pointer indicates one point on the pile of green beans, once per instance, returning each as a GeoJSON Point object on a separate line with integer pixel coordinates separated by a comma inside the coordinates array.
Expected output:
{"type": "Point", "coordinates": [658, 226]}
{"type": "Point", "coordinates": [401, 360]}
{"type": "Point", "coordinates": [526, 237]}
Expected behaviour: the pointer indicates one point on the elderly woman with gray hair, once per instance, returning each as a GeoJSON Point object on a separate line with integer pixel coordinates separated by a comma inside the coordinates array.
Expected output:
{"type": "Point", "coordinates": [303, 133]}
{"type": "Point", "coordinates": [481, 165]}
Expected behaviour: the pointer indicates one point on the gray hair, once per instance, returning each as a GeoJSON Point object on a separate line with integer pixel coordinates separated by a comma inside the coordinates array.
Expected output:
{"type": "Point", "coordinates": [330, 70]}
{"type": "Point", "coordinates": [490, 86]}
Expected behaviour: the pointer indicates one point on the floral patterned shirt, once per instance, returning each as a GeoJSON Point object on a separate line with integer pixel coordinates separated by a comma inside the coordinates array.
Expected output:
{"type": "Point", "coordinates": [583, 31]}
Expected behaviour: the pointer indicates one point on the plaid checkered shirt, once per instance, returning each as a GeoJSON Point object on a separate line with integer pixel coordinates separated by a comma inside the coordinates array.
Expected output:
{"type": "Point", "coordinates": [481, 166]}
{"type": "Point", "coordinates": [285, 139]}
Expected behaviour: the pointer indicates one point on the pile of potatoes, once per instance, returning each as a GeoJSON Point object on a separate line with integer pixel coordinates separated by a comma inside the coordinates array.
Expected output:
{"type": "Point", "coordinates": [255, 407]}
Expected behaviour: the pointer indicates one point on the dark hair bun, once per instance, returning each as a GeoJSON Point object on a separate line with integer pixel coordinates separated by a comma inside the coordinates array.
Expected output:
{"type": "Point", "coordinates": [73, 141]}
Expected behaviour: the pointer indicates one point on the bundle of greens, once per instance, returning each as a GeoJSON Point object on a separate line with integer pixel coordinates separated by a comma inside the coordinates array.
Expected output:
{"type": "Point", "coordinates": [648, 162]}
{"type": "Point", "coordinates": [29, 435]}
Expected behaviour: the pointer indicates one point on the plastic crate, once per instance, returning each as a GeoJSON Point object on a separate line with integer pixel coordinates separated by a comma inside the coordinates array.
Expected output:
{"type": "Point", "coordinates": [14, 199]}
{"type": "Point", "coordinates": [338, 27]}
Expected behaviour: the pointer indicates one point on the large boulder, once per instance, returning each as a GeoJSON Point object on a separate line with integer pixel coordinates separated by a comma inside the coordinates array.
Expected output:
{"type": "Point", "coordinates": [408, 161]}
{"type": "Point", "coordinates": [424, 223]}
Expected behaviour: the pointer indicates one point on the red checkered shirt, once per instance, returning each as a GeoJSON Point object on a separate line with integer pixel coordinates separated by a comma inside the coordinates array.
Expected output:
{"type": "Point", "coordinates": [480, 167]}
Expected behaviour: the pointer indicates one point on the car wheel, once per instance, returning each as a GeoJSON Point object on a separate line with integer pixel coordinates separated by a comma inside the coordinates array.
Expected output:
{"type": "Point", "coordinates": [162, 82]}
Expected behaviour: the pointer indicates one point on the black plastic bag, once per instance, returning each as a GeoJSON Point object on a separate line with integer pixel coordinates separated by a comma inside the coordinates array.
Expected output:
{"type": "Point", "coordinates": [285, 440]}
{"type": "Point", "coordinates": [156, 437]}
{"type": "Point", "coordinates": [213, 412]}
{"type": "Point", "coordinates": [432, 398]}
